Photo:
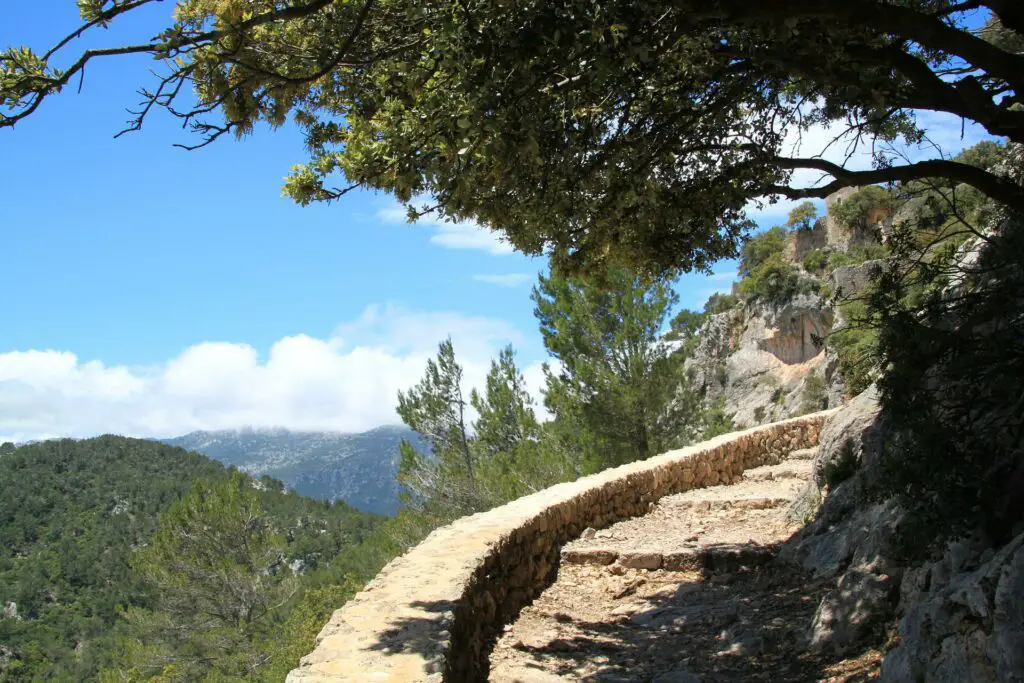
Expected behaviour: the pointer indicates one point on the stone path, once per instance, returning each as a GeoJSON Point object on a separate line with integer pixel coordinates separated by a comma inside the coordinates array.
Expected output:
{"type": "Point", "coordinates": [684, 594]}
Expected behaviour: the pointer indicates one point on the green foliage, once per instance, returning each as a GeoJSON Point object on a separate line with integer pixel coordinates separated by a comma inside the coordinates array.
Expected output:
{"type": "Point", "coordinates": [216, 568]}
{"type": "Point", "coordinates": [476, 466]}
{"type": "Point", "coordinates": [684, 327]}
{"type": "Point", "coordinates": [70, 514]}
{"type": "Point", "coordinates": [802, 216]}
{"type": "Point", "coordinates": [719, 303]}
{"type": "Point", "coordinates": [950, 337]}
{"type": "Point", "coordinates": [855, 210]}
{"type": "Point", "coordinates": [815, 261]}
{"type": "Point", "coordinates": [856, 347]}
{"type": "Point", "coordinates": [857, 254]}
{"type": "Point", "coordinates": [760, 249]}
{"type": "Point", "coordinates": [774, 280]}
{"type": "Point", "coordinates": [766, 274]}
{"type": "Point", "coordinates": [716, 421]}
{"type": "Point", "coordinates": [815, 396]}
{"type": "Point", "coordinates": [570, 131]}
{"type": "Point", "coordinates": [436, 409]}
{"type": "Point", "coordinates": [616, 382]}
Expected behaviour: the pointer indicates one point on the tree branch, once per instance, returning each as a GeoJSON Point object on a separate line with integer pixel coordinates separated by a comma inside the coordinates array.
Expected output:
{"type": "Point", "coordinates": [997, 188]}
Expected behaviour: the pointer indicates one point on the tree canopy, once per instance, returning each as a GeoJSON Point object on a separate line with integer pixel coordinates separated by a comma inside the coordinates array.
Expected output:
{"type": "Point", "coordinates": [617, 130]}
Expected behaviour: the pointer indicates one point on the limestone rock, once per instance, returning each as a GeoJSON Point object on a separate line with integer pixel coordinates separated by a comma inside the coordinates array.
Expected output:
{"type": "Point", "coordinates": [847, 614]}
{"type": "Point", "coordinates": [963, 618]}
{"type": "Point", "coordinates": [849, 281]}
{"type": "Point", "coordinates": [848, 436]}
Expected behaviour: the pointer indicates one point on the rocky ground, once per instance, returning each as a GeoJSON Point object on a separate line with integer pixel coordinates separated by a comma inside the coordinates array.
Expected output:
{"type": "Point", "coordinates": [683, 594]}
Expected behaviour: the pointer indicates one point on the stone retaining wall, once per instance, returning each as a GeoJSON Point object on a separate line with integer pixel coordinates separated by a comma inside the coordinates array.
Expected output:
{"type": "Point", "coordinates": [432, 614]}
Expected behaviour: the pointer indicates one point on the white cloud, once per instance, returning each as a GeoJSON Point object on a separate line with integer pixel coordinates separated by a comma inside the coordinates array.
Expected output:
{"type": "Point", "coordinates": [505, 279]}
{"type": "Point", "coordinates": [346, 382]}
{"type": "Point", "coordinates": [462, 235]}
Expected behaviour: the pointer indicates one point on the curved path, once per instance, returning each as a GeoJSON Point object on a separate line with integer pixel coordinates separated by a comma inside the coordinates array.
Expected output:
{"type": "Point", "coordinates": [433, 614]}
{"type": "Point", "coordinates": [683, 594]}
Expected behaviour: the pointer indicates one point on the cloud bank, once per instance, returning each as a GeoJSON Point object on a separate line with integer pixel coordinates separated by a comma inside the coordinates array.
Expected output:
{"type": "Point", "coordinates": [346, 382]}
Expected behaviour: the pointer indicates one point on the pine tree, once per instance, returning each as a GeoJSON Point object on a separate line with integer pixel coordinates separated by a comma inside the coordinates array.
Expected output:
{"type": "Point", "coordinates": [217, 572]}
{"type": "Point", "coordinates": [619, 391]}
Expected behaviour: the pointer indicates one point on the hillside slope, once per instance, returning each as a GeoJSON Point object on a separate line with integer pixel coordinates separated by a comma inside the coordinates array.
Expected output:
{"type": "Point", "coordinates": [70, 514]}
{"type": "Point", "coordinates": [356, 468]}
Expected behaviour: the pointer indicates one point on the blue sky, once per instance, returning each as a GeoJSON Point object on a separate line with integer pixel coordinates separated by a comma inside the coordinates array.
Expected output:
{"type": "Point", "coordinates": [151, 291]}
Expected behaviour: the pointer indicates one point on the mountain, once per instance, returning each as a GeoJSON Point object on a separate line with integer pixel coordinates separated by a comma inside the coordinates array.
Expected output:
{"type": "Point", "coordinates": [72, 511]}
{"type": "Point", "coordinates": [356, 468]}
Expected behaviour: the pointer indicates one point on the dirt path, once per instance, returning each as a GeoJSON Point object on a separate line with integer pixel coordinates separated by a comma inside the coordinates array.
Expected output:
{"type": "Point", "coordinates": [684, 594]}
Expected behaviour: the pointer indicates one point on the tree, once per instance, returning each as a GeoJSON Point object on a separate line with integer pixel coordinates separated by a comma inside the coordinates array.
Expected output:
{"type": "Point", "coordinates": [629, 131]}
{"type": "Point", "coordinates": [218, 573]}
{"type": "Point", "coordinates": [472, 466]}
{"type": "Point", "coordinates": [802, 216]}
{"type": "Point", "coordinates": [618, 387]}
{"type": "Point", "coordinates": [437, 410]}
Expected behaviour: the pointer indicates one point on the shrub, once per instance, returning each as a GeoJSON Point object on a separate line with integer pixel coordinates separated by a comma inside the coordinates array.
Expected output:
{"type": "Point", "coordinates": [815, 395]}
{"type": "Point", "coordinates": [815, 261]}
{"type": "Point", "coordinates": [719, 303]}
{"type": "Point", "coordinates": [857, 254]}
{"type": "Point", "coordinates": [774, 280]}
{"type": "Point", "coordinates": [856, 347]}
{"type": "Point", "coordinates": [955, 359]}
{"type": "Point", "coordinates": [855, 210]}
{"type": "Point", "coordinates": [715, 420]}
{"type": "Point", "coordinates": [758, 249]}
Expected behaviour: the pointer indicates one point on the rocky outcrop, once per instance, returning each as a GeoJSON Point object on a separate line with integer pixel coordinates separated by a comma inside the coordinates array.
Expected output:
{"type": "Point", "coordinates": [958, 618]}
{"type": "Point", "coordinates": [849, 281]}
{"type": "Point", "coordinates": [962, 617]}
{"type": "Point", "coordinates": [758, 359]}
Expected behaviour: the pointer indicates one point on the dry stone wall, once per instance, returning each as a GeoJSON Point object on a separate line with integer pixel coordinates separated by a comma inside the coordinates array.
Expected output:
{"type": "Point", "coordinates": [433, 614]}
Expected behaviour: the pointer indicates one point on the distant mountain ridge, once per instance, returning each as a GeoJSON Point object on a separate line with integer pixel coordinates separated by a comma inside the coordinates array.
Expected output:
{"type": "Point", "coordinates": [356, 468]}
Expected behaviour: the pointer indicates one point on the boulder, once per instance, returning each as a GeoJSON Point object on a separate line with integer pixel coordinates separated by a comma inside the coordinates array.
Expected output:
{"type": "Point", "coordinates": [855, 610]}
{"type": "Point", "coordinates": [849, 437]}
{"type": "Point", "coordinates": [963, 618]}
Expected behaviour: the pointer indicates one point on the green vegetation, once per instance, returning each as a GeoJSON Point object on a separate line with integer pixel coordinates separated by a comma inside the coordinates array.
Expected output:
{"type": "Point", "coordinates": [74, 513]}
{"type": "Point", "coordinates": [618, 393]}
{"type": "Point", "coordinates": [616, 382]}
{"type": "Point", "coordinates": [815, 261]}
{"type": "Point", "coordinates": [567, 130]}
{"type": "Point", "coordinates": [949, 337]}
{"type": "Point", "coordinates": [815, 394]}
{"type": "Point", "coordinates": [719, 303]}
{"type": "Point", "coordinates": [803, 216]}
{"type": "Point", "coordinates": [572, 132]}
{"type": "Point", "coordinates": [856, 210]}
{"type": "Point", "coordinates": [858, 254]}
{"type": "Point", "coordinates": [856, 347]}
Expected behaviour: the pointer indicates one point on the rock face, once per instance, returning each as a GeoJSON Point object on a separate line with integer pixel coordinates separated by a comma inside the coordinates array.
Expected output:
{"type": "Point", "coordinates": [960, 617]}
{"type": "Point", "coordinates": [963, 618]}
{"type": "Point", "coordinates": [758, 358]}
{"type": "Point", "coordinates": [766, 361]}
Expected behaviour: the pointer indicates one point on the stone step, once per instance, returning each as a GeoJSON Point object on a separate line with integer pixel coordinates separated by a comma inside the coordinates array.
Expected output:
{"type": "Point", "coordinates": [709, 558]}
{"type": "Point", "coordinates": [788, 469]}
{"type": "Point", "coordinates": [737, 503]}
{"type": "Point", "coordinates": [803, 454]}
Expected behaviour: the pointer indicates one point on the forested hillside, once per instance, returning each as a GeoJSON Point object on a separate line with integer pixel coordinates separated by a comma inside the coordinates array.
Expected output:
{"type": "Point", "coordinates": [72, 515]}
